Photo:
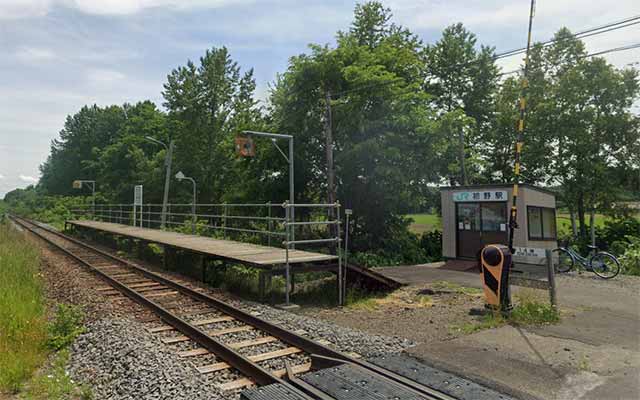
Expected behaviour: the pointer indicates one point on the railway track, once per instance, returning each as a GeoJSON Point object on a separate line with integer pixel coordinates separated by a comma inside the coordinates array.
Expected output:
{"type": "Point", "coordinates": [225, 337]}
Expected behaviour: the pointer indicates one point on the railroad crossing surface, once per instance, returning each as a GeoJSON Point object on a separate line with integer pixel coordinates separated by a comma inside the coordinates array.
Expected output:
{"type": "Point", "coordinates": [592, 353]}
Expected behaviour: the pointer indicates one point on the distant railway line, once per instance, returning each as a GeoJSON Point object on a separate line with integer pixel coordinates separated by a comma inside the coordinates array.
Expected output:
{"type": "Point", "coordinates": [230, 338]}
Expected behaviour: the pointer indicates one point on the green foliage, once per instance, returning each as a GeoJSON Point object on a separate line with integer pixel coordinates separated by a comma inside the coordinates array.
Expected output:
{"type": "Point", "coordinates": [431, 243]}
{"type": "Point", "coordinates": [53, 382]}
{"type": "Point", "coordinates": [404, 115]}
{"type": "Point", "coordinates": [490, 320]}
{"type": "Point", "coordinates": [23, 329]}
{"type": "Point", "coordinates": [616, 234]}
{"type": "Point", "coordinates": [630, 260]}
{"type": "Point", "coordinates": [65, 327]}
{"type": "Point", "coordinates": [530, 310]}
{"type": "Point", "coordinates": [53, 210]}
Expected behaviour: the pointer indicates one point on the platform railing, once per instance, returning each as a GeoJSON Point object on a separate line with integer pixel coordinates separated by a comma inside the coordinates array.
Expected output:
{"type": "Point", "coordinates": [270, 222]}
{"type": "Point", "coordinates": [260, 219]}
{"type": "Point", "coordinates": [334, 241]}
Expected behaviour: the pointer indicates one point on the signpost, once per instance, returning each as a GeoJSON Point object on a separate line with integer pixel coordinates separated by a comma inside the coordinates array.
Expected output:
{"type": "Point", "coordinates": [348, 212]}
{"type": "Point", "coordinates": [137, 202]}
{"type": "Point", "coordinates": [77, 184]}
{"type": "Point", "coordinates": [246, 148]}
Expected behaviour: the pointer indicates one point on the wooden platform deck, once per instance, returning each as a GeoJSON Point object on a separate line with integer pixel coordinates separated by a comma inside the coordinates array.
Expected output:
{"type": "Point", "coordinates": [257, 255]}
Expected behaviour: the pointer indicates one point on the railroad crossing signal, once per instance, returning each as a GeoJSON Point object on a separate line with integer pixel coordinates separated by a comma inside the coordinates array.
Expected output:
{"type": "Point", "coordinates": [245, 147]}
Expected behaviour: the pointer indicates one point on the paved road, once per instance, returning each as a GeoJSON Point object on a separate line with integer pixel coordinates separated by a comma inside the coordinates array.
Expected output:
{"type": "Point", "coordinates": [594, 353]}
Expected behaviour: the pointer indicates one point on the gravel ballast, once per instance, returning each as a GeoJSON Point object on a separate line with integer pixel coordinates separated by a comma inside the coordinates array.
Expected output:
{"type": "Point", "coordinates": [118, 358]}
{"type": "Point", "coordinates": [121, 360]}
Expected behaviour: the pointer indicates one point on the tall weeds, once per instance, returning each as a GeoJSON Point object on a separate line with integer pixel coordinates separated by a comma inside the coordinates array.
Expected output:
{"type": "Point", "coordinates": [23, 325]}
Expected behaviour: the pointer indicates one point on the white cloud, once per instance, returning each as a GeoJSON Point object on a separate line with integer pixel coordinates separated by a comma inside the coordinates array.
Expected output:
{"type": "Point", "coordinates": [10, 9]}
{"type": "Point", "coordinates": [34, 54]}
{"type": "Point", "coordinates": [1, 176]}
{"type": "Point", "coordinates": [101, 76]}
{"type": "Point", "coordinates": [28, 179]}
{"type": "Point", "coordinates": [13, 9]}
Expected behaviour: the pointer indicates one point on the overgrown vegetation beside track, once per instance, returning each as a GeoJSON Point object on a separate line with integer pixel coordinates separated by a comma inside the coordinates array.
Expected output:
{"type": "Point", "coordinates": [23, 324]}
{"type": "Point", "coordinates": [28, 338]}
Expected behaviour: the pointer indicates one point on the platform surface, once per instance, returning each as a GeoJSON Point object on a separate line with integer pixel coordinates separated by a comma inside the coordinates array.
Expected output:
{"type": "Point", "coordinates": [243, 252]}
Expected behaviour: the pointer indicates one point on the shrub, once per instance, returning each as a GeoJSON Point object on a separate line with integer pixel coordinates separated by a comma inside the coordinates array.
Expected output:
{"type": "Point", "coordinates": [431, 243]}
{"type": "Point", "coordinates": [65, 327]}
{"type": "Point", "coordinates": [616, 232]}
{"type": "Point", "coordinates": [630, 260]}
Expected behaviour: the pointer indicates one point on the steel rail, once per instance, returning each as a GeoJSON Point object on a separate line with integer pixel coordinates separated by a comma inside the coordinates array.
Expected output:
{"type": "Point", "coordinates": [233, 358]}
{"type": "Point", "coordinates": [307, 345]}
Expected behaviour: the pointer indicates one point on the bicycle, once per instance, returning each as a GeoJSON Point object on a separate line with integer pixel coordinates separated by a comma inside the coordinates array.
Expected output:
{"type": "Point", "coordinates": [601, 263]}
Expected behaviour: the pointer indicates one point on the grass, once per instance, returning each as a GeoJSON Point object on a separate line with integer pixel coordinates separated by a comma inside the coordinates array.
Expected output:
{"type": "Point", "coordinates": [23, 325]}
{"type": "Point", "coordinates": [529, 310]}
{"type": "Point", "coordinates": [27, 340]}
{"type": "Point", "coordinates": [428, 222]}
{"type": "Point", "coordinates": [53, 382]}
{"type": "Point", "coordinates": [563, 221]}
{"type": "Point", "coordinates": [454, 287]}
{"type": "Point", "coordinates": [490, 320]}
{"type": "Point", "coordinates": [424, 222]}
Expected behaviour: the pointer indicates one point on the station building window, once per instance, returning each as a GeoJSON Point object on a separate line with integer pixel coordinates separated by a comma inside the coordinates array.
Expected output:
{"type": "Point", "coordinates": [542, 223]}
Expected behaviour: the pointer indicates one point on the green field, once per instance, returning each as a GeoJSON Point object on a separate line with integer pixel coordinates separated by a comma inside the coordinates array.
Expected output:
{"type": "Point", "coordinates": [427, 222]}
{"type": "Point", "coordinates": [424, 222]}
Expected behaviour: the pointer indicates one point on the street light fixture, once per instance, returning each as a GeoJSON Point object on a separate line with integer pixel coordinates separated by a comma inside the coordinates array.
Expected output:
{"type": "Point", "coordinates": [274, 137]}
{"type": "Point", "coordinates": [167, 179]}
{"type": "Point", "coordinates": [180, 176]}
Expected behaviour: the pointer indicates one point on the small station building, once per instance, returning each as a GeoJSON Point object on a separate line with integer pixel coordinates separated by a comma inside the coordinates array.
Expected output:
{"type": "Point", "coordinates": [475, 216]}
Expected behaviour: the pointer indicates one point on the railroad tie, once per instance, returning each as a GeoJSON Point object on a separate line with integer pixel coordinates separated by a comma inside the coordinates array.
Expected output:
{"type": "Point", "coordinates": [219, 366]}
{"type": "Point", "coordinates": [236, 346]}
{"type": "Point", "coordinates": [245, 382]}
{"type": "Point", "coordinates": [220, 332]}
{"type": "Point", "coordinates": [166, 328]}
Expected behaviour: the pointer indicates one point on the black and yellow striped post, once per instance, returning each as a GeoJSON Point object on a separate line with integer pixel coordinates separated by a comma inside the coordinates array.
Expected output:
{"type": "Point", "coordinates": [513, 214]}
{"type": "Point", "coordinates": [495, 266]}
{"type": "Point", "coordinates": [496, 260]}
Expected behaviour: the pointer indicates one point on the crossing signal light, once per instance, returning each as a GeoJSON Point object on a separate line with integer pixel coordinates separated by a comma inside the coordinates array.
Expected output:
{"type": "Point", "coordinates": [245, 147]}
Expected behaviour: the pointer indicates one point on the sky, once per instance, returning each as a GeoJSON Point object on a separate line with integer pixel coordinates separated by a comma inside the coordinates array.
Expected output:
{"type": "Point", "coordinates": [58, 55]}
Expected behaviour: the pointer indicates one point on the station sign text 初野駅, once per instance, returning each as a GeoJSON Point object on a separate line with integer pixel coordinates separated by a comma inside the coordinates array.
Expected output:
{"type": "Point", "coordinates": [482, 195]}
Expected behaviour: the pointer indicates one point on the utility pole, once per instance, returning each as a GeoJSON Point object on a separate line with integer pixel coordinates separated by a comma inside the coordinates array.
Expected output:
{"type": "Point", "coordinates": [167, 179]}
{"type": "Point", "coordinates": [513, 214]}
{"type": "Point", "coordinates": [463, 169]}
{"type": "Point", "coordinates": [328, 134]}
{"type": "Point", "coordinates": [167, 182]}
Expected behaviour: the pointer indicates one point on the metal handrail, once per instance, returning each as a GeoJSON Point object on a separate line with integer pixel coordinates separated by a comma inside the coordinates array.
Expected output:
{"type": "Point", "coordinates": [148, 215]}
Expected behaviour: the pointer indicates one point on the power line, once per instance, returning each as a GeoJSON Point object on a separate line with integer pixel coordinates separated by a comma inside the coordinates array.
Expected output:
{"type": "Point", "coordinates": [613, 50]}
{"type": "Point", "coordinates": [605, 28]}
{"type": "Point", "coordinates": [582, 34]}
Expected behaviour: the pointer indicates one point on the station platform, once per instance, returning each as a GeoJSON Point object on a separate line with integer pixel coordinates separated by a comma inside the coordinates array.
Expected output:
{"type": "Point", "coordinates": [246, 253]}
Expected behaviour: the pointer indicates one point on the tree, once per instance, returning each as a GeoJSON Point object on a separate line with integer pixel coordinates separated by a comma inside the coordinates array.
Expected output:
{"type": "Point", "coordinates": [381, 122]}
{"type": "Point", "coordinates": [208, 104]}
{"type": "Point", "coordinates": [462, 80]}
{"type": "Point", "coordinates": [579, 117]}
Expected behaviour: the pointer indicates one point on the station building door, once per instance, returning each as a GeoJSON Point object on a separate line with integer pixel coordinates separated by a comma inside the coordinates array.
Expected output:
{"type": "Point", "coordinates": [479, 224]}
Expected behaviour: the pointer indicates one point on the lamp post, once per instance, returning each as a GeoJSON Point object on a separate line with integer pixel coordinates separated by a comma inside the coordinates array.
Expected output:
{"type": "Point", "coordinates": [180, 176]}
{"type": "Point", "coordinates": [77, 184]}
{"type": "Point", "coordinates": [274, 137]}
{"type": "Point", "coordinates": [167, 179]}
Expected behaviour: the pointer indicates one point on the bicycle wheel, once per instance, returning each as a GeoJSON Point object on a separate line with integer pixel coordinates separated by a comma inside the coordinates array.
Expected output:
{"type": "Point", "coordinates": [605, 265]}
{"type": "Point", "coordinates": [563, 261]}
